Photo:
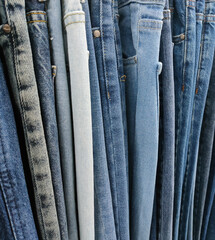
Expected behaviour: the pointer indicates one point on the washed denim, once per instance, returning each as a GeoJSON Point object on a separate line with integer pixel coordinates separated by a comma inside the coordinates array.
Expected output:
{"type": "Point", "coordinates": [64, 115]}
{"type": "Point", "coordinates": [204, 156]}
{"type": "Point", "coordinates": [166, 159]}
{"type": "Point", "coordinates": [202, 83]}
{"type": "Point", "coordinates": [38, 32]}
{"type": "Point", "coordinates": [16, 221]}
{"type": "Point", "coordinates": [121, 75]}
{"type": "Point", "coordinates": [210, 198]}
{"type": "Point", "coordinates": [104, 216]}
{"type": "Point", "coordinates": [78, 56]}
{"type": "Point", "coordinates": [18, 57]}
{"type": "Point", "coordinates": [140, 25]}
{"type": "Point", "coordinates": [184, 38]}
{"type": "Point", "coordinates": [102, 21]}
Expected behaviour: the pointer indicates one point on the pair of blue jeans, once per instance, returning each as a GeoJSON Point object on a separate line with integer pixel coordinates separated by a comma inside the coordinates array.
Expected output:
{"type": "Point", "coordinates": [64, 115]}
{"type": "Point", "coordinates": [201, 88]}
{"type": "Point", "coordinates": [184, 39]}
{"type": "Point", "coordinates": [140, 26]}
{"type": "Point", "coordinates": [18, 57]}
{"type": "Point", "coordinates": [102, 19]}
{"type": "Point", "coordinates": [39, 37]}
{"type": "Point", "coordinates": [16, 221]}
{"type": "Point", "coordinates": [204, 157]}
{"type": "Point", "coordinates": [166, 157]}
{"type": "Point", "coordinates": [104, 216]}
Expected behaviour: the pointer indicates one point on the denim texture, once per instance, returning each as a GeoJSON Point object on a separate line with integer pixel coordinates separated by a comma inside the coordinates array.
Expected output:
{"type": "Point", "coordinates": [104, 216]}
{"type": "Point", "coordinates": [210, 198]}
{"type": "Point", "coordinates": [204, 157]}
{"type": "Point", "coordinates": [38, 33]}
{"type": "Point", "coordinates": [202, 83]}
{"type": "Point", "coordinates": [105, 50]}
{"type": "Point", "coordinates": [211, 229]}
{"type": "Point", "coordinates": [78, 56]}
{"type": "Point", "coordinates": [166, 157]}
{"type": "Point", "coordinates": [18, 57]}
{"type": "Point", "coordinates": [184, 39]}
{"type": "Point", "coordinates": [121, 75]}
{"type": "Point", "coordinates": [64, 115]}
{"type": "Point", "coordinates": [16, 221]}
{"type": "Point", "coordinates": [140, 26]}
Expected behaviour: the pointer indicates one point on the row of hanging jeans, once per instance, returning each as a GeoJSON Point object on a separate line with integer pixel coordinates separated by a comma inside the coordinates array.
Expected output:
{"type": "Point", "coordinates": [107, 119]}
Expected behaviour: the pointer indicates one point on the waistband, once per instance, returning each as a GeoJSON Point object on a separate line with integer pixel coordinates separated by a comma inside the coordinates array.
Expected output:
{"type": "Point", "coordinates": [125, 2]}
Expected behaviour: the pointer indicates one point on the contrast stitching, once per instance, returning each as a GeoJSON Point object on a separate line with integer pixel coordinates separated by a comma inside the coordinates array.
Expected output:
{"type": "Point", "coordinates": [31, 13]}
{"type": "Point", "coordinates": [73, 22]}
{"type": "Point", "coordinates": [72, 14]}
{"type": "Point", "coordinates": [37, 21]}
{"type": "Point", "coordinates": [149, 27]}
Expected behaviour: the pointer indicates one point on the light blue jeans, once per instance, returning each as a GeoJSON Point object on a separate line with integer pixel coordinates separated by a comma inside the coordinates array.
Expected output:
{"type": "Point", "coordinates": [78, 57]}
{"type": "Point", "coordinates": [140, 25]}
{"type": "Point", "coordinates": [64, 114]}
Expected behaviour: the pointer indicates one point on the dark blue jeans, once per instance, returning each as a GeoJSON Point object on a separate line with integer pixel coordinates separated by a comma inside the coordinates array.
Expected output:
{"type": "Point", "coordinates": [204, 157]}
{"type": "Point", "coordinates": [38, 32]}
{"type": "Point", "coordinates": [166, 157]}
{"type": "Point", "coordinates": [102, 20]}
{"type": "Point", "coordinates": [201, 88]}
{"type": "Point", "coordinates": [16, 218]}
{"type": "Point", "coordinates": [18, 57]}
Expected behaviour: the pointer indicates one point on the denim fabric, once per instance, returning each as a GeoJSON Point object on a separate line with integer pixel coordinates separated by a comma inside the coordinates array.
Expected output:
{"type": "Point", "coordinates": [211, 224]}
{"type": "Point", "coordinates": [78, 56]}
{"type": "Point", "coordinates": [204, 156]}
{"type": "Point", "coordinates": [121, 75]}
{"type": "Point", "coordinates": [16, 221]}
{"type": "Point", "coordinates": [104, 216]}
{"type": "Point", "coordinates": [105, 50]}
{"type": "Point", "coordinates": [64, 115]}
{"type": "Point", "coordinates": [202, 83]}
{"type": "Point", "coordinates": [184, 38]}
{"type": "Point", "coordinates": [165, 181]}
{"type": "Point", "coordinates": [38, 32]}
{"type": "Point", "coordinates": [210, 198]}
{"type": "Point", "coordinates": [140, 25]}
{"type": "Point", "coordinates": [18, 56]}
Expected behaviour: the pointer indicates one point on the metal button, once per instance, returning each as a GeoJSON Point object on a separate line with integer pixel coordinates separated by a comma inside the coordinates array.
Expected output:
{"type": "Point", "coordinates": [182, 36]}
{"type": "Point", "coordinates": [6, 28]}
{"type": "Point", "coordinates": [97, 33]}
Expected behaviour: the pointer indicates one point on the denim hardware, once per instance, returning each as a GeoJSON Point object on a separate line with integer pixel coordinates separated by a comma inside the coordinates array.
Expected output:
{"type": "Point", "coordinates": [54, 71]}
{"type": "Point", "coordinates": [6, 28]}
{"type": "Point", "coordinates": [25, 92]}
{"type": "Point", "coordinates": [39, 37]}
{"type": "Point", "coordinates": [64, 115]}
{"type": "Point", "coordinates": [96, 33]}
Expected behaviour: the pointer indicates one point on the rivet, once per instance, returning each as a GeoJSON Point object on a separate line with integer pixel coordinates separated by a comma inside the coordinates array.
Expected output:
{"type": "Point", "coordinates": [96, 33]}
{"type": "Point", "coordinates": [6, 28]}
{"type": "Point", "coordinates": [182, 36]}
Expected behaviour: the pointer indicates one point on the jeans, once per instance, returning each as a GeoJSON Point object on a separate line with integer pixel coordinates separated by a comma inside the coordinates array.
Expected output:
{"type": "Point", "coordinates": [18, 56]}
{"type": "Point", "coordinates": [184, 38]}
{"type": "Point", "coordinates": [202, 83]}
{"type": "Point", "coordinates": [64, 115]}
{"type": "Point", "coordinates": [140, 25]}
{"type": "Point", "coordinates": [16, 221]}
{"type": "Point", "coordinates": [104, 216]}
{"type": "Point", "coordinates": [210, 199]}
{"type": "Point", "coordinates": [38, 32]}
{"type": "Point", "coordinates": [166, 157]}
{"type": "Point", "coordinates": [204, 156]}
{"type": "Point", "coordinates": [105, 51]}
{"type": "Point", "coordinates": [78, 56]}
